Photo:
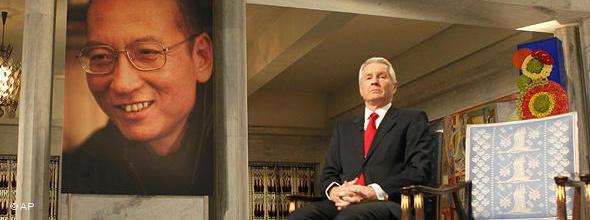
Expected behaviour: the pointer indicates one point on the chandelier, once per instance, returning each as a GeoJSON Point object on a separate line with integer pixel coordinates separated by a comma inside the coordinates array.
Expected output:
{"type": "Point", "coordinates": [10, 73]}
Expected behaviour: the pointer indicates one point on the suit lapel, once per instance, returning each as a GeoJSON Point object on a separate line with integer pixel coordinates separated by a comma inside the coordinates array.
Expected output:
{"type": "Point", "coordinates": [385, 126]}
{"type": "Point", "coordinates": [359, 124]}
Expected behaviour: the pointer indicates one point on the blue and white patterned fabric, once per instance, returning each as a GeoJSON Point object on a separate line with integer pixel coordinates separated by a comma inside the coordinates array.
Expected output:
{"type": "Point", "coordinates": [512, 165]}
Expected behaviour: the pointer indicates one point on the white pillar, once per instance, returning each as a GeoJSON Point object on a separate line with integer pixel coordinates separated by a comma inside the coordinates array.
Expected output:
{"type": "Point", "coordinates": [569, 36]}
{"type": "Point", "coordinates": [230, 200]}
{"type": "Point", "coordinates": [35, 110]}
{"type": "Point", "coordinates": [584, 39]}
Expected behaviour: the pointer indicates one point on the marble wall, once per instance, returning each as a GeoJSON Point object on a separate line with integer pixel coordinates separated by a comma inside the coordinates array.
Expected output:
{"type": "Point", "coordinates": [133, 207]}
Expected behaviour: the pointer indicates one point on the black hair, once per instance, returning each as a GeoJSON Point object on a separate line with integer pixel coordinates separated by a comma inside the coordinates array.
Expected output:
{"type": "Point", "coordinates": [195, 16]}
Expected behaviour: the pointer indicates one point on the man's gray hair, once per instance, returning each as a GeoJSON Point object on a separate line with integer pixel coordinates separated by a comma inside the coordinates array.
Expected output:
{"type": "Point", "coordinates": [378, 60]}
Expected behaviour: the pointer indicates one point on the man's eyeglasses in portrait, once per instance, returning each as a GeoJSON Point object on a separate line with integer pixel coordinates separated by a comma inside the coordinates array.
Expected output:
{"type": "Point", "coordinates": [143, 55]}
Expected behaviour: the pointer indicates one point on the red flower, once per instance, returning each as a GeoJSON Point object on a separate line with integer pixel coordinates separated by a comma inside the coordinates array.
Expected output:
{"type": "Point", "coordinates": [538, 100]}
{"type": "Point", "coordinates": [543, 56]}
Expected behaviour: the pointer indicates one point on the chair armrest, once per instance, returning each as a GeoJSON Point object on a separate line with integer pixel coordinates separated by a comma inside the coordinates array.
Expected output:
{"type": "Point", "coordinates": [296, 201]}
{"type": "Point", "coordinates": [586, 179]}
{"type": "Point", "coordinates": [442, 190]}
{"type": "Point", "coordinates": [418, 192]}
{"type": "Point", "coordinates": [562, 182]}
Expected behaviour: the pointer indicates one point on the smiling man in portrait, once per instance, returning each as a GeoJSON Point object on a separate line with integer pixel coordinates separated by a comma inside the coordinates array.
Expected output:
{"type": "Point", "coordinates": [148, 65]}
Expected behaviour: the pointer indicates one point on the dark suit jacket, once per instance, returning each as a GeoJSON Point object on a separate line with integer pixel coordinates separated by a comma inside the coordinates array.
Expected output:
{"type": "Point", "coordinates": [400, 155]}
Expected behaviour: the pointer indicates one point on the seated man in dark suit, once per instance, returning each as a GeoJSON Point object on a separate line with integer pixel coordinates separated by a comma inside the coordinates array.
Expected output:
{"type": "Point", "coordinates": [373, 155]}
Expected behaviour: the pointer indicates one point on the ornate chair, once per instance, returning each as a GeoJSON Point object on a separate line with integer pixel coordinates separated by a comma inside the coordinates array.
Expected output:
{"type": "Point", "coordinates": [510, 169]}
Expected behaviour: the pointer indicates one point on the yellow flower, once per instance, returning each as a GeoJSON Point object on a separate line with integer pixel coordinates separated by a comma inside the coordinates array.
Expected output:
{"type": "Point", "coordinates": [541, 104]}
{"type": "Point", "coordinates": [543, 74]}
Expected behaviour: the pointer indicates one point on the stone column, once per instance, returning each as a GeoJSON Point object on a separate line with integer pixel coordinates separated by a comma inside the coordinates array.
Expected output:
{"type": "Point", "coordinates": [230, 200]}
{"type": "Point", "coordinates": [570, 38]}
{"type": "Point", "coordinates": [584, 41]}
{"type": "Point", "coordinates": [35, 110]}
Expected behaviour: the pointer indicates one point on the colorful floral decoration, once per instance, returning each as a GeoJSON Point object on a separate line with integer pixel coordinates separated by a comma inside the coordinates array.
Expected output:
{"type": "Point", "coordinates": [541, 99]}
{"type": "Point", "coordinates": [522, 82]}
{"type": "Point", "coordinates": [537, 65]}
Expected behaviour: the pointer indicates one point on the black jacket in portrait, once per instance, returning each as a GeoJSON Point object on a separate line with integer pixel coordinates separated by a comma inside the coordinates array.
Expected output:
{"type": "Point", "coordinates": [108, 163]}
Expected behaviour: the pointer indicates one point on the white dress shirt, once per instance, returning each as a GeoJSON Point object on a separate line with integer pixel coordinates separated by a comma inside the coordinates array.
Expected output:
{"type": "Point", "coordinates": [381, 195]}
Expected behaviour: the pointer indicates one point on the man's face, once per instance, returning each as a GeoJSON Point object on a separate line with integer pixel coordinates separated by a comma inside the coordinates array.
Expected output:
{"type": "Point", "coordinates": [376, 86]}
{"type": "Point", "coordinates": [152, 105]}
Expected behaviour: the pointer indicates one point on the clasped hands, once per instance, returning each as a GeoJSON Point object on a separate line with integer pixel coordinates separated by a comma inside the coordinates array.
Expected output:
{"type": "Point", "coordinates": [350, 193]}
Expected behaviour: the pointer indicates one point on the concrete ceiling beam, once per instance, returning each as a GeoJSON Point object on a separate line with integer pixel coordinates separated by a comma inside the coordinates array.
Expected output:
{"type": "Point", "coordinates": [471, 12]}
{"type": "Point", "coordinates": [446, 47]}
{"type": "Point", "coordinates": [464, 71]}
{"type": "Point", "coordinates": [294, 34]}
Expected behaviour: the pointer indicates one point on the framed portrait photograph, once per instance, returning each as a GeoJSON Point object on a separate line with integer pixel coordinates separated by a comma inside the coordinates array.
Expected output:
{"type": "Point", "coordinates": [138, 113]}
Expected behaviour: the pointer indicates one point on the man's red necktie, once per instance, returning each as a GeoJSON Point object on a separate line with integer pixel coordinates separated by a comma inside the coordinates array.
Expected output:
{"type": "Point", "coordinates": [369, 135]}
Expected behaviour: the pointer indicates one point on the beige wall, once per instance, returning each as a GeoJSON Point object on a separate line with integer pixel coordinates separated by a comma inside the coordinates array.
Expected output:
{"type": "Point", "coordinates": [8, 136]}
{"type": "Point", "coordinates": [287, 145]}
{"type": "Point", "coordinates": [286, 126]}
{"type": "Point", "coordinates": [278, 108]}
